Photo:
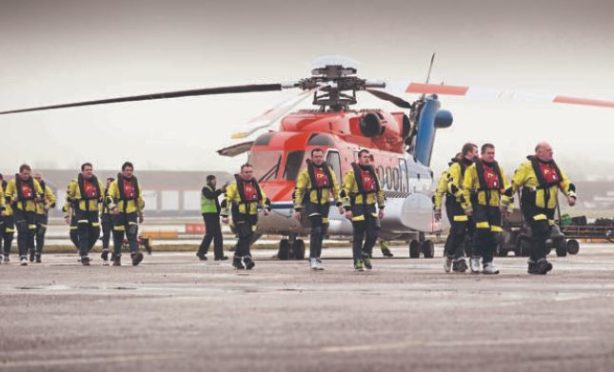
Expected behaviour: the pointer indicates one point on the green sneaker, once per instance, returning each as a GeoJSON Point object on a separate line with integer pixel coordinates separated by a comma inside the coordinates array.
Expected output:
{"type": "Point", "coordinates": [358, 265]}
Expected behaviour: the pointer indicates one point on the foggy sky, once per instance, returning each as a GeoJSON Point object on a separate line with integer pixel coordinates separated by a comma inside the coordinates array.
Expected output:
{"type": "Point", "coordinates": [62, 51]}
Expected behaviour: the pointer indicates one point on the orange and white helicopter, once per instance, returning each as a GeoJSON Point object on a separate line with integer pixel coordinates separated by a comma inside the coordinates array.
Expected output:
{"type": "Point", "coordinates": [401, 143]}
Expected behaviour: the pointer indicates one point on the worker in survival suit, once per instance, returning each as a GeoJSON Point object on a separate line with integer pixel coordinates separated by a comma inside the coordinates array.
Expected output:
{"type": "Point", "coordinates": [316, 185]}
{"type": "Point", "coordinates": [23, 192]}
{"type": "Point", "coordinates": [461, 225]}
{"type": "Point", "coordinates": [106, 221]}
{"type": "Point", "coordinates": [539, 179]}
{"type": "Point", "coordinates": [360, 194]}
{"type": "Point", "coordinates": [484, 185]}
{"type": "Point", "coordinates": [243, 198]}
{"type": "Point", "coordinates": [85, 193]}
{"type": "Point", "coordinates": [7, 225]}
{"type": "Point", "coordinates": [126, 201]}
{"type": "Point", "coordinates": [70, 217]}
{"type": "Point", "coordinates": [42, 217]}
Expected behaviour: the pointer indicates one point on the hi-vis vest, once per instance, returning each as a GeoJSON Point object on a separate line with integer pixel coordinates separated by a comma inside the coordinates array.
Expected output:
{"type": "Point", "coordinates": [86, 195]}
{"type": "Point", "coordinates": [125, 195]}
{"type": "Point", "coordinates": [23, 194]}
{"type": "Point", "coordinates": [48, 200]}
{"type": "Point", "coordinates": [316, 185]}
{"type": "Point", "coordinates": [244, 197]}
{"type": "Point", "coordinates": [540, 183]}
{"type": "Point", "coordinates": [208, 205]}
{"type": "Point", "coordinates": [484, 184]}
{"type": "Point", "coordinates": [361, 187]}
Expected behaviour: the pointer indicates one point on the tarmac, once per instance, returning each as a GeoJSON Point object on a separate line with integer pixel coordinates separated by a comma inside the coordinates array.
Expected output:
{"type": "Point", "coordinates": [175, 313]}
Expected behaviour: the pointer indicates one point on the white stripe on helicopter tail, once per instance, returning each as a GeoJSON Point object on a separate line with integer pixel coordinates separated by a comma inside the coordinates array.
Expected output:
{"type": "Point", "coordinates": [512, 95]}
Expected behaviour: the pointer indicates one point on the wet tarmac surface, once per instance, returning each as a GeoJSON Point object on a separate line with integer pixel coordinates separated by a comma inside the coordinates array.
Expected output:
{"type": "Point", "coordinates": [175, 313]}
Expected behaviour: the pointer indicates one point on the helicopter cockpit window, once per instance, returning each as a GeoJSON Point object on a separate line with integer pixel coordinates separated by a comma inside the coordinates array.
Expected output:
{"type": "Point", "coordinates": [293, 164]}
{"type": "Point", "coordinates": [265, 163]}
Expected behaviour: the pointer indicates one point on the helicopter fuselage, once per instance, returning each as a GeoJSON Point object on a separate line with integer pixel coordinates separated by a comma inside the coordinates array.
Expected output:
{"type": "Point", "coordinates": [278, 157]}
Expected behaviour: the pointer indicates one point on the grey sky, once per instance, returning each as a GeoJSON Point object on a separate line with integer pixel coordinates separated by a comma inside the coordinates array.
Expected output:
{"type": "Point", "coordinates": [61, 51]}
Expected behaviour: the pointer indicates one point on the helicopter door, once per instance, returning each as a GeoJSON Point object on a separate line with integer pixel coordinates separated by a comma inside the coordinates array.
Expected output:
{"type": "Point", "coordinates": [403, 182]}
{"type": "Point", "coordinates": [334, 160]}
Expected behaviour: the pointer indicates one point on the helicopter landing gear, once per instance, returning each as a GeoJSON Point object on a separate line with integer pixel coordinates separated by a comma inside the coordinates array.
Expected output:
{"type": "Point", "coordinates": [424, 246]}
{"type": "Point", "coordinates": [291, 249]}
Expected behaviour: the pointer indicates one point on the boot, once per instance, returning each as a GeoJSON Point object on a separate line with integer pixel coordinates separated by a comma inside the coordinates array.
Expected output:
{"type": "Point", "coordinates": [358, 265]}
{"type": "Point", "coordinates": [532, 267]}
{"type": "Point", "coordinates": [543, 266]}
{"type": "Point", "coordinates": [490, 269]}
{"type": "Point", "coordinates": [459, 265]}
{"type": "Point", "coordinates": [32, 255]}
{"type": "Point", "coordinates": [105, 257]}
{"type": "Point", "coordinates": [85, 261]}
{"type": "Point", "coordinates": [38, 258]}
{"type": "Point", "coordinates": [237, 264]}
{"type": "Point", "coordinates": [474, 264]}
{"type": "Point", "coordinates": [137, 257]}
{"type": "Point", "coordinates": [249, 263]}
{"type": "Point", "coordinates": [313, 264]}
{"type": "Point", "coordinates": [117, 261]}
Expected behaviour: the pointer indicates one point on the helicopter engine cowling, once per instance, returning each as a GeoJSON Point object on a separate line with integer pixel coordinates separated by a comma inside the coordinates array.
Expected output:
{"type": "Point", "coordinates": [371, 125]}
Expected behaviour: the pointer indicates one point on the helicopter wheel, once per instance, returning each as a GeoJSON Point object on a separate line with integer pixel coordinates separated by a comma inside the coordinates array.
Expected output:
{"type": "Point", "coordinates": [298, 248]}
{"type": "Point", "coordinates": [414, 249]}
{"type": "Point", "coordinates": [428, 248]}
{"type": "Point", "coordinates": [284, 250]}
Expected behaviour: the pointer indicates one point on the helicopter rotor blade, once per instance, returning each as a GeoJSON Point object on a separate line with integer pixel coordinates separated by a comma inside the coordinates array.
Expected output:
{"type": "Point", "coordinates": [164, 95]}
{"type": "Point", "coordinates": [386, 96]}
{"type": "Point", "coordinates": [488, 93]}
{"type": "Point", "coordinates": [269, 117]}
{"type": "Point", "coordinates": [428, 75]}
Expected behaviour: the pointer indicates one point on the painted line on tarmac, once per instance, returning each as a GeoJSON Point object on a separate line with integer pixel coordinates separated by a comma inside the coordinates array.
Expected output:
{"type": "Point", "coordinates": [485, 342]}
{"type": "Point", "coordinates": [87, 360]}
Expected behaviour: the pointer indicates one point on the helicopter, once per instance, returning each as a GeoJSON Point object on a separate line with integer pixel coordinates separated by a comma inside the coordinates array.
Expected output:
{"type": "Point", "coordinates": [401, 143]}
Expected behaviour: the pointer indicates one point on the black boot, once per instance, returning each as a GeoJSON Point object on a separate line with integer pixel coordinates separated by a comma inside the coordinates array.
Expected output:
{"type": "Point", "coordinates": [201, 256]}
{"type": "Point", "coordinates": [117, 261]}
{"type": "Point", "coordinates": [459, 265]}
{"type": "Point", "coordinates": [38, 258]}
{"type": "Point", "coordinates": [237, 264]}
{"type": "Point", "coordinates": [137, 257]}
{"type": "Point", "coordinates": [249, 263]}
{"type": "Point", "coordinates": [85, 261]}
{"type": "Point", "coordinates": [543, 266]}
{"type": "Point", "coordinates": [32, 254]}
{"type": "Point", "coordinates": [532, 268]}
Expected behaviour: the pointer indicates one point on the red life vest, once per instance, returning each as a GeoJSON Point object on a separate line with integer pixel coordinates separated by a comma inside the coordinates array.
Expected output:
{"type": "Point", "coordinates": [90, 190]}
{"type": "Point", "coordinates": [368, 182]}
{"type": "Point", "coordinates": [489, 175]}
{"type": "Point", "coordinates": [250, 192]}
{"type": "Point", "coordinates": [321, 178]}
{"type": "Point", "coordinates": [129, 189]}
{"type": "Point", "coordinates": [26, 191]}
{"type": "Point", "coordinates": [549, 172]}
{"type": "Point", "coordinates": [491, 178]}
